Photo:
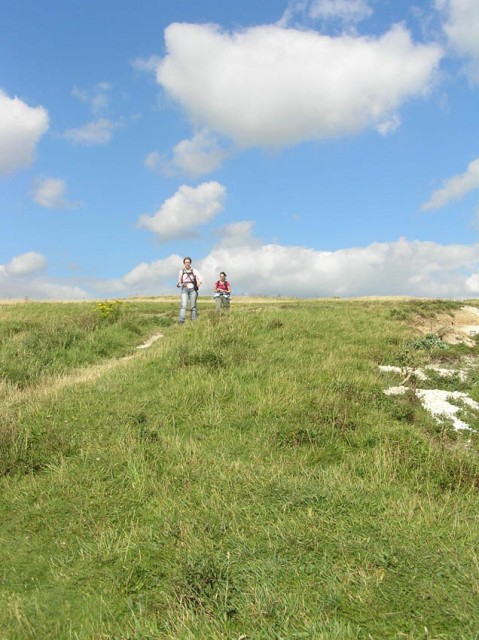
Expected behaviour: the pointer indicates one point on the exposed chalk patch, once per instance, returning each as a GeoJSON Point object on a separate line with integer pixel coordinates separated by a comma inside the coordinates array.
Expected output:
{"type": "Point", "coordinates": [419, 373]}
{"type": "Point", "coordinates": [439, 403]}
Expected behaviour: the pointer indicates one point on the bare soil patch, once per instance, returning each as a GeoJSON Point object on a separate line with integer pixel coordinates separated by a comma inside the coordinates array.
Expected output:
{"type": "Point", "coordinates": [458, 327]}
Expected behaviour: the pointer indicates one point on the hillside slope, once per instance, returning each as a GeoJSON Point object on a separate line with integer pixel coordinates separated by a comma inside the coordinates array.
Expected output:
{"type": "Point", "coordinates": [245, 476]}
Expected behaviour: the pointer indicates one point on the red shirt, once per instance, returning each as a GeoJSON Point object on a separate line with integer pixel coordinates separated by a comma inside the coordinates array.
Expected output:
{"type": "Point", "coordinates": [222, 286]}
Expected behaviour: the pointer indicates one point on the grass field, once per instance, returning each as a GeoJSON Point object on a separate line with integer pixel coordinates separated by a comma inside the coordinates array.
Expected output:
{"type": "Point", "coordinates": [243, 478]}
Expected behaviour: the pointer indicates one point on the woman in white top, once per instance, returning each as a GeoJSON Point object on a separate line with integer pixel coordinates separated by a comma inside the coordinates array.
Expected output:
{"type": "Point", "coordinates": [189, 281]}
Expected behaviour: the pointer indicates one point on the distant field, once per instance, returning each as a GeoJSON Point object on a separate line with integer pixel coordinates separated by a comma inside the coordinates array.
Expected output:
{"type": "Point", "coordinates": [203, 296]}
{"type": "Point", "coordinates": [244, 477]}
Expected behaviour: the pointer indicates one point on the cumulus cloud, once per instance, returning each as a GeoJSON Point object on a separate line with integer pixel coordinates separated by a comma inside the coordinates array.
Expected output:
{"type": "Point", "coordinates": [94, 133]}
{"type": "Point", "coordinates": [404, 267]}
{"type": "Point", "coordinates": [237, 234]}
{"type": "Point", "coordinates": [455, 188]}
{"type": "Point", "coordinates": [462, 30]}
{"type": "Point", "coordinates": [26, 263]}
{"type": "Point", "coordinates": [472, 284]}
{"type": "Point", "coordinates": [151, 278]}
{"type": "Point", "coordinates": [23, 277]}
{"type": "Point", "coordinates": [200, 155]}
{"type": "Point", "coordinates": [399, 268]}
{"type": "Point", "coordinates": [270, 86]}
{"type": "Point", "coordinates": [187, 209]}
{"type": "Point", "coordinates": [21, 128]}
{"type": "Point", "coordinates": [50, 193]}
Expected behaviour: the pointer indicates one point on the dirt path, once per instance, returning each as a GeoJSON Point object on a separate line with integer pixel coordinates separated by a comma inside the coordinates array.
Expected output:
{"type": "Point", "coordinates": [54, 384]}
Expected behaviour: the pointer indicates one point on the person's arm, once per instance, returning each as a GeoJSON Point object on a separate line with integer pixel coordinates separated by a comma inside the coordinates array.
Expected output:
{"type": "Point", "coordinates": [180, 277]}
{"type": "Point", "coordinates": [228, 287]}
{"type": "Point", "coordinates": [199, 279]}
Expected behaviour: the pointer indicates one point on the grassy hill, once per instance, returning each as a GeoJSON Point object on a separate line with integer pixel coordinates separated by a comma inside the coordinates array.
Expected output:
{"type": "Point", "coordinates": [245, 477]}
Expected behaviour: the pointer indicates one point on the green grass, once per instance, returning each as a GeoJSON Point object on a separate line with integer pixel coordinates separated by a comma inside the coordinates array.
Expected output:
{"type": "Point", "coordinates": [245, 477]}
{"type": "Point", "coordinates": [45, 339]}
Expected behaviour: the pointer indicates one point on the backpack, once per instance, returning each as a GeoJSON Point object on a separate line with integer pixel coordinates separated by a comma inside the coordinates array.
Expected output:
{"type": "Point", "coordinates": [190, 276]}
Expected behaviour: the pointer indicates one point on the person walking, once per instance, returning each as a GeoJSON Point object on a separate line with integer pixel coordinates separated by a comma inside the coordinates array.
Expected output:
{"type": "Point", "coordinates": [222, 294]}
{"type": "Point", "coordinates": [189, 281]}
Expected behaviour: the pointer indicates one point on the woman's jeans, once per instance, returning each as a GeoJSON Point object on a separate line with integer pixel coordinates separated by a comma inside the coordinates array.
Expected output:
{"type": "Point", "coordinates": [191, 295]}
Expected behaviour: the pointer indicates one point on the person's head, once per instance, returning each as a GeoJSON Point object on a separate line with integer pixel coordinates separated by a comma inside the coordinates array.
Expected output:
{"type": "Point", "coordinates": [187, 262]}
{"type": "Point", "coordinates": [222, 275]}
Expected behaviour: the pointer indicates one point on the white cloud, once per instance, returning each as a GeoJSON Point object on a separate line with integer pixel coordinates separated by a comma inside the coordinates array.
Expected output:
{"type": "Point", "coordinates": [188, 208]}
{"type": "Point", "coordinates": [198, 156]}
{"type": "Point", "coordinates": [455, 188]}
{"type": "Point", "coordinates": [389, 126]}
{"type": "Point", "coordinates": [237, 234]}
{"type": "Point", "coordinates": [147, 65]}
{"type": "Point", "coordinates": [22, 277]}
{"type": "Point", "coordinates": [26, 263]}
{"type": "Point", "coordinates": [399, 268]}
{"type": "Point", "coordinates": [21, 128]}
{"type": "Point", "coordinates": [94, 133]}
{"type": "Point", "coordinates": [404, 267]}
{"type": "Point", "coordinates": [97, 98]}
{"type": "Point", "coordinates": [295, 7]}
{"type": "Point", "coordinates": [152, 278]}
{"type": "Point", "coordinates": [100, 130]}
{"type": "Point", "coordinates": [344, 10]}
{"type": "Point", "coordinates": [50, 193]}
{"type": "Point", "coordinates": [462, 29]}
{"type": "Point", "coordinates": [269, 86]}
{"type": "Point", "coordinates": [153, 161]}
{"type": "Point", "coordinates": [472, 284]}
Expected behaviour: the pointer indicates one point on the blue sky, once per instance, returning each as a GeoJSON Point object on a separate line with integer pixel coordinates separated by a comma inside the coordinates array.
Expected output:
{"type": "Point", "coordinates": [307, 148]}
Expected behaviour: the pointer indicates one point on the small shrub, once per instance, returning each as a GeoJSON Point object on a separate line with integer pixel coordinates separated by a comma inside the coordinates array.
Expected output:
{"type": "Point", "coordinates": [428, 342]}
{"type": "Point", "coordinates": [109, 311]}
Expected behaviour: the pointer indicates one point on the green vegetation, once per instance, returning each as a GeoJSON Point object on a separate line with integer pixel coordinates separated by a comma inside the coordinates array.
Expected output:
{"type": "Point", "coordinates": [43, 339]}
{"type": "Point", "coordinates": [243, 478]}
{"type": "Point", "coordinates": [429, 341]}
